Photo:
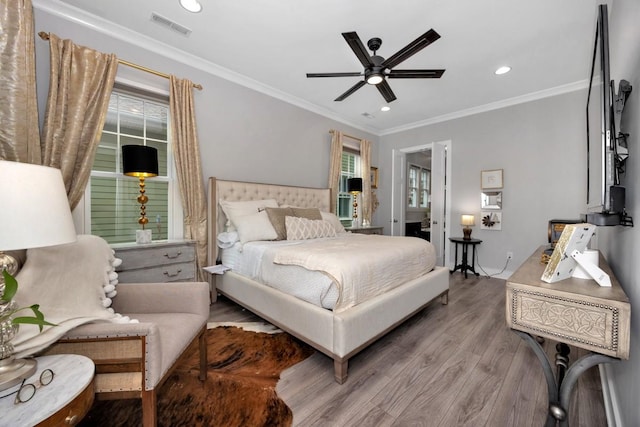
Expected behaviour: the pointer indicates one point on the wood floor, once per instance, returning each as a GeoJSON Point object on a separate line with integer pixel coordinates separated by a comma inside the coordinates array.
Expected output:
{"type": "Point", "coordinates": [453, 365]}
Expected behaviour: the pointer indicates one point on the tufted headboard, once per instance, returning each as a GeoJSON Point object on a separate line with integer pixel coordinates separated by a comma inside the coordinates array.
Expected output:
{"type": "Point", "coordinates": [219, 189]}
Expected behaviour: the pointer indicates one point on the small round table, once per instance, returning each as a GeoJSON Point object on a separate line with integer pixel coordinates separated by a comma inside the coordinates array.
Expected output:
{"type": "Point", "coordinates": [464, 264]}
{"type": "Point", "coordinates": [65, 401]}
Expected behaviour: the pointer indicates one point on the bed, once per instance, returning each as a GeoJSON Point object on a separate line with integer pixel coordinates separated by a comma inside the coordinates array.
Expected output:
{"type": "Point", "coordinates": [337, 333]}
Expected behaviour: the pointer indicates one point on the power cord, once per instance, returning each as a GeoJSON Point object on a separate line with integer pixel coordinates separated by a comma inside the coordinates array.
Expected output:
{"type": "Point", "coordinates": [487, 275]}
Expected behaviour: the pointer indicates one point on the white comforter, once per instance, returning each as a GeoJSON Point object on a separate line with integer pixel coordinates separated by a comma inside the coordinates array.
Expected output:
{"type": "Point", "coordinates": [362, 266]}
{"type": "Point", "coordinates": [373, 265]}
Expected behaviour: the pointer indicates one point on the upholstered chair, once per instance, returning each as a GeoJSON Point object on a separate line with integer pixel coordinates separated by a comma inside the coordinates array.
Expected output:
{"type": "Point", "coordinates": [136, 344]}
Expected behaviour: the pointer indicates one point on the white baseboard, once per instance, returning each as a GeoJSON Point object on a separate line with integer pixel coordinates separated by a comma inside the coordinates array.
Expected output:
{"type": "Point", "coordinates": [610, 397]}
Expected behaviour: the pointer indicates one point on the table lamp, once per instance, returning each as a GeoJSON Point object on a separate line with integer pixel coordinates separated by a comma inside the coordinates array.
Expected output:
{"type": "Point", "coordinates": [354, 186]}
{"type": "Point", "coordinates": [468, 221]}
{"type": "Point", "coordinates": [34, 213]}
{"type": "Point", "coordinates": [140, 161]}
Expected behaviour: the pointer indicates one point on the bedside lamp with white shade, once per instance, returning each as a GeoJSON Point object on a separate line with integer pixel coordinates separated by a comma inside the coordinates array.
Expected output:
{"type": "Point", "coordinates": [34, 213]}
{"type": "Point", "coordinates": [467, 221]}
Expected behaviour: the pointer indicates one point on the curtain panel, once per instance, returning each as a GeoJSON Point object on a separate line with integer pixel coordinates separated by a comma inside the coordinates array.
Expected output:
{"type": "Point", "coordinates": [80, 84]}
{"type": "Point", "coordinates": [19, 133]}
{"type": "Point", "coordinates": [335, 167]}
{"type": "Point", "coordinates": [189, 169]}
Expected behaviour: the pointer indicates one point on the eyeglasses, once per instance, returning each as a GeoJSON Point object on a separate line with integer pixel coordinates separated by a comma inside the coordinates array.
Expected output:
{"type": "Point", "coordinates": [28, 390]}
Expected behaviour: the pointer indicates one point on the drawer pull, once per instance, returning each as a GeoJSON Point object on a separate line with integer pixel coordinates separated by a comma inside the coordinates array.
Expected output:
{"type": "Point", "coordinates": [173, 274]}
{"type": "Point", "coordinates": [71, 419]}
{"type": "Point", "coordinates": [177, 254]}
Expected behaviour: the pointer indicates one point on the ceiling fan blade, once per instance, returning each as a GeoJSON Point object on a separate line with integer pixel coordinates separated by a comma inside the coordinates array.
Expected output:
{"type": "Point", "coordinates": [411, 49]}
{"type": "Point", "coordinates": [354, 74]}
{"type": "Point", "coordinates": [358, 48]}
{"type": "Point", "coordinates": [415, 74]}
{"type": "Point", "coordinates": [385, 91]}
{"type": "Point", "coordinates": [353, 88]}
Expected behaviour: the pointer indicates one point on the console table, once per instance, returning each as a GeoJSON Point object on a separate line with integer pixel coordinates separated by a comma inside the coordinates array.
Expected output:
{"type": "Point", "coordinates": [573, 311]}
{"type": "Point", "coordinates": [464, 264]}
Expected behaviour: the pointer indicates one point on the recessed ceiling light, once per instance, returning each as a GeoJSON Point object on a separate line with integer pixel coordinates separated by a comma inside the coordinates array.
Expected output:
{"type": "Point", "coordinates": [191, 5]}
{"type": "Point", "coordinates": [385, 108]}
{"type": "Point", "coordinates": [503, 70]}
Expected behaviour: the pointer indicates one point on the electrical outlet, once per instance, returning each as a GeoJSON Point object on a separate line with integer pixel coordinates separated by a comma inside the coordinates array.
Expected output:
{"type": "Point", "coordinates": [509, 255]}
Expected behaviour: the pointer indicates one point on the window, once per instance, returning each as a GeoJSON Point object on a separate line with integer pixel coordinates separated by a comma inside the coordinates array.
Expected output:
{"type": "Point", "coordinates": [350, 169]}
{"type": "Point", "coordinates": [132, 118]}
{"type": "Point", "coordinates": [418, 187]}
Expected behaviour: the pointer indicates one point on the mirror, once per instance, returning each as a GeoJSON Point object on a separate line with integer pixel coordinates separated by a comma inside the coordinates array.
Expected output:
{"type": "Point", "coordinates": [492, 200]}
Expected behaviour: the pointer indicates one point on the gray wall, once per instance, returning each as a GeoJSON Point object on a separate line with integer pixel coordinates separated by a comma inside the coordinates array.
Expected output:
{"type": "Point", "coordinates": [621, 245]}
{"type": "Point", "coordinates": [540, 146]}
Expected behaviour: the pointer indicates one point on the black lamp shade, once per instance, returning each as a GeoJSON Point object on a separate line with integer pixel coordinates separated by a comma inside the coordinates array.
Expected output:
{"type": "Point", "coordinates": [139, 160]}
{"type": "Point", "coordinates": [354, 185]}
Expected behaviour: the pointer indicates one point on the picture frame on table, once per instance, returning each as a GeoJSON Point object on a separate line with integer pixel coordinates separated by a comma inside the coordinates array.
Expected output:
{"type": "Point", "coordinates": [491, 179]}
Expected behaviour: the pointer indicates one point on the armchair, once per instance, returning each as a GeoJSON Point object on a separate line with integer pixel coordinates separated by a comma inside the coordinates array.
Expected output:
{"type": "Point", "coordinates": [134, 359]}
{"type": "Point", "coordinates": [134, 334]}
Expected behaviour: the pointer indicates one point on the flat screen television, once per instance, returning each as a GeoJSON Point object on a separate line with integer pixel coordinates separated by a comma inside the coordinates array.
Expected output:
{"type": "Point", "coordinates": [605, 199]}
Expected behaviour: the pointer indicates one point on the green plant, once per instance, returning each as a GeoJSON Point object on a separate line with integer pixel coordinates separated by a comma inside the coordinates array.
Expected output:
{"type": "Point", "coordinates": [10, 290]}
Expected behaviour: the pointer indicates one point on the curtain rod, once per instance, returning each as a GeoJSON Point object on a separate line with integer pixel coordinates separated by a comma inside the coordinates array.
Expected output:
{"type": "Point", "coordinates": [348, 136]}
{"type": "Point", "coordinates": [45, 36]}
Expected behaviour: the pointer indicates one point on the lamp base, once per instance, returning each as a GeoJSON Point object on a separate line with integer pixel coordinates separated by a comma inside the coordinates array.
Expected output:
{"type": "Point", "coordinates": [466, 231]}
{"type": "Point", "coordinates": [13, 371]}
{"type": "Point", "coordinates": [143, 236]}
{"type": "Point", "coordinates": [9, 263]}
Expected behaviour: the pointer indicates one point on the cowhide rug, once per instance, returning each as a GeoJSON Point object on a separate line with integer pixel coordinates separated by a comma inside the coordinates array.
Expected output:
{"type": "Point", "coordinates": [243, 369]}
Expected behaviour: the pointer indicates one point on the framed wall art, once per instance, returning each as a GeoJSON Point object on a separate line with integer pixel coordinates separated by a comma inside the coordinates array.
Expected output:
{"type": "Point", "coordinates": [491, 179]}
{"type": "Point", "coordinates": [491, 220]}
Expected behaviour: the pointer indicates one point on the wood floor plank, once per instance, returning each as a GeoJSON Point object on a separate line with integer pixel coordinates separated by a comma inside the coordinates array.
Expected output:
{"type": "Point", "coordinates": [455, 364]}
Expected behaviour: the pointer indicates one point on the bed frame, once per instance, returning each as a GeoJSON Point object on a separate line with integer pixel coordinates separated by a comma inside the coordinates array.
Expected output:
{"type": "Point", "coordinates": [338, 335]}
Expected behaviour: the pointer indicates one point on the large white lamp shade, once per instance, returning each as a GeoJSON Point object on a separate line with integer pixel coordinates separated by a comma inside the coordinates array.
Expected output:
{"type": "Point", "coordinates": [34, 209]}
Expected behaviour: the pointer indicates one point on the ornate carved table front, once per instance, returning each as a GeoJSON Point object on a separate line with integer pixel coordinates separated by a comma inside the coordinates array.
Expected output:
{"type": "Point", "coordinates": [574, 311]}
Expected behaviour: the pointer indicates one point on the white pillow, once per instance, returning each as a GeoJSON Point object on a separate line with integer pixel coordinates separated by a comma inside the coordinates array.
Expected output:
{"type": "Point", "coordinates": [233, 210]}
{"type": "Point", "coordinates": [255, 226]}
{"type": "Point", "coordinates": [333, 219]}
{"type": "Point", "coordinates": [303, 228]}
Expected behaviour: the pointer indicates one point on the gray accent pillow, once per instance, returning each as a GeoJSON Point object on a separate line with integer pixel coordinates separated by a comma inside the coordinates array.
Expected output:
{"type": "Point", "coordinates": [276, 216]}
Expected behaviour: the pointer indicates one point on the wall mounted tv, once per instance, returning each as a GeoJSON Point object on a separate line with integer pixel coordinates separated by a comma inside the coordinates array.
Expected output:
{"type": "Point", "coordinates": [605, 197]}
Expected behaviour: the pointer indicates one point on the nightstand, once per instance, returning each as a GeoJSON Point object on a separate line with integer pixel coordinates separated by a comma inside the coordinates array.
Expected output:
{"type": "Point", "coordinates": [366, 230]}
{"type": "Point", "coordinates": [169, 261]}
{"type": "Point", "coordinates": [65, 401]}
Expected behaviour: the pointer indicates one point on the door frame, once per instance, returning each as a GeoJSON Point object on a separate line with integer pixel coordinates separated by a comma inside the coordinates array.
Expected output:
{"type": "Point", "coordinates": [399, 185]}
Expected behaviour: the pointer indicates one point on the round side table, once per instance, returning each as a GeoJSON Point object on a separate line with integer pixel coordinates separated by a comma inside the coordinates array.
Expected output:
{"type": "Point", "coordinates": [65, 401]}
{"type": "Point", "coordinates": [464, 264]}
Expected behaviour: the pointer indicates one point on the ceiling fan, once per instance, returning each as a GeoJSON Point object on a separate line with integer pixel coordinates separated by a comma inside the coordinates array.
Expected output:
{"type": "Point", "coordinates": [377, 69]}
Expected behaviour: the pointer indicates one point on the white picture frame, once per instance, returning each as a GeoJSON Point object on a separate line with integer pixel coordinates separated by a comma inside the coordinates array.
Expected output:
{"type": "Point", "coordinates": [491, 179]}
{"type": "Point", "coordinates": [491, 220]}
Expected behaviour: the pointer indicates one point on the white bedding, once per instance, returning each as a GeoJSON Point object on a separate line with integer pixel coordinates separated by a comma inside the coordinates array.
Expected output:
{"type": "Point", "coordinates": [344, 271]}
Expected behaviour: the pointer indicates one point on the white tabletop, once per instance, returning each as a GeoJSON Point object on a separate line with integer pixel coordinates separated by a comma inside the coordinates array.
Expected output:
{"type": "Point", "coordinates": [72, 374]}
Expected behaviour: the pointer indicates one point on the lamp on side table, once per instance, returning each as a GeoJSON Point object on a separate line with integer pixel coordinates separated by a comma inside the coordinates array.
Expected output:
{"type": "Point", "coordinates": [34, 213]}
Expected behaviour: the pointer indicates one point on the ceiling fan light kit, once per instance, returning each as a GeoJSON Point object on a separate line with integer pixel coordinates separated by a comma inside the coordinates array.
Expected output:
{"type": "Point", "coordinates": [377, 69]}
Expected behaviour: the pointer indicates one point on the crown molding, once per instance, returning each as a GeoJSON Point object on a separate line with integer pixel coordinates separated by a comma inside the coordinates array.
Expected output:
{"type": "Point", "coordinates": [71, 13]}
{"type": "Point", "coordinates": [100, 25]}
{"type": "Point", "coordinates": [534, 96]}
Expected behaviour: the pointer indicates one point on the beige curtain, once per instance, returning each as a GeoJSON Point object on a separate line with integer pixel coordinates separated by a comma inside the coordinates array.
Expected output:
{"type": "Point", "coordinates": [365, 165]}
{"type": "Point", "coordinates": [19, 132]}
{"type": "Point", "coordinates": [187, 156]}
{"type": "Point", "coordinates": [80, 84]}
{"type": "Point", "coordinates": [335, 166]}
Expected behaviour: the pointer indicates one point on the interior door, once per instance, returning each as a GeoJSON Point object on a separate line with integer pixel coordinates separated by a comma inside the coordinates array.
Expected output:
{"type": "Point", "coordinates": [398, 199]}
{"type": "Point", "coordinates": [439, 201]}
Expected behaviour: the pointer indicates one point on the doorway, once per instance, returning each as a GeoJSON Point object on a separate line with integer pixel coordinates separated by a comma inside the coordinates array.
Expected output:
{"type": "Point", "coordinates": [439, 203]}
